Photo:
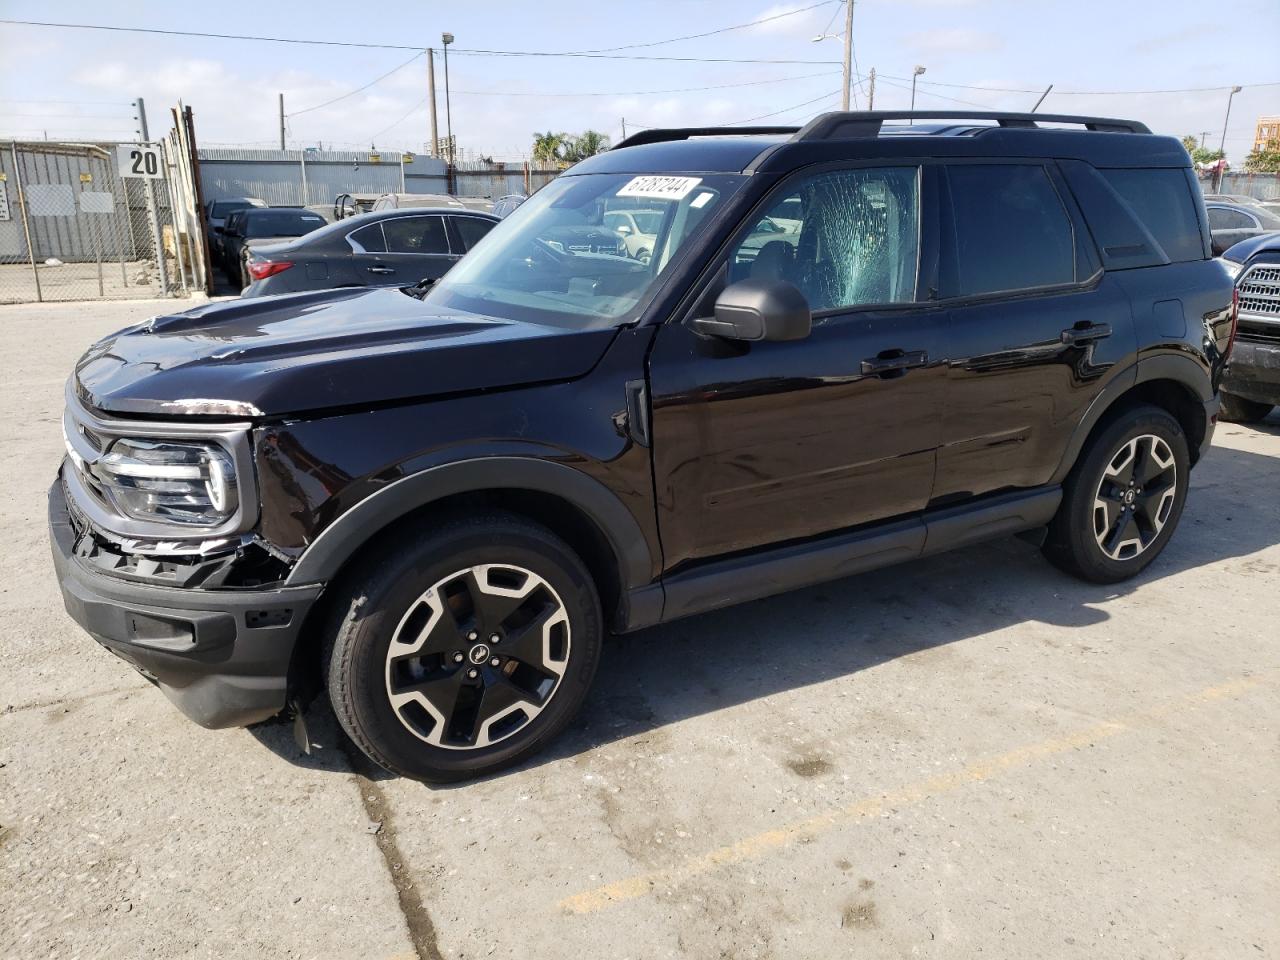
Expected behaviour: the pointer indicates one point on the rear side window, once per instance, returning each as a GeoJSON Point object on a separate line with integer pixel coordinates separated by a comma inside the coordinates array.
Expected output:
{"type": "Point", "coordinates": [1012, 231]}
{"type": "Point", "coordinates": [1163, 202]}
{"type": "Point", "coordinates": [472, 229]}
{"type": "Point", "coordinates": [1222, 219]}
{"type": "Point", "coordinates": [415, 235]}
{"type": "Point", "coordinates": [369, 239]}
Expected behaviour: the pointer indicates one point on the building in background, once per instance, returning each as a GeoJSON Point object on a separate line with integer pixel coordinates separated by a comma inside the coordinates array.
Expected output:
{"type": "Point", "coordinates": [1266, 135]}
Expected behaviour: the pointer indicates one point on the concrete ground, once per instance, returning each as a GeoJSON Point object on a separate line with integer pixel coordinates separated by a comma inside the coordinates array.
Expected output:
{"type": "Point", "coordinates": [968, 755]}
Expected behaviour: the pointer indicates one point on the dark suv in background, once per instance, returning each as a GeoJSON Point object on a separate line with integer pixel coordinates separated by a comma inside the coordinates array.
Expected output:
{"type": "Point", "coordinates": [852, 344]}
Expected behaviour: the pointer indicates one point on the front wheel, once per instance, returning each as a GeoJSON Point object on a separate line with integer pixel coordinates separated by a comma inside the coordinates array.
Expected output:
{"type": "Point", "coordinates": [1239, 410]}
{"type": "Point", "coordinates": [463, 651]}
{"type": "Point", "coordinates": [1123, 499]}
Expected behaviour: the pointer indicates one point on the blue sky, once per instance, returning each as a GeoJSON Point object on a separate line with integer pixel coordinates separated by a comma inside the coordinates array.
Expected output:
{"type": "Point", "coordinates": [1007, 47]}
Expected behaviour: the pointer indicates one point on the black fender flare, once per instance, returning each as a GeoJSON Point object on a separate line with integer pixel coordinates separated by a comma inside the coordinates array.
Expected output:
{"type": "Point", "coordinates": [339, 541]}
{"type": "Point", "coordinates": [1166, 366]}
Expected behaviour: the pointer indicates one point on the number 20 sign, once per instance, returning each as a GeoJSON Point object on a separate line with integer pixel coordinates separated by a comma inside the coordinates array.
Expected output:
{"type": "Point", "coordinates": [139, 160]}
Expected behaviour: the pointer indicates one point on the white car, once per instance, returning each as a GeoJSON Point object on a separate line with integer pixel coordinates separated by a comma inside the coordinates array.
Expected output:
{"type": "Point", "coordinates": [637, 228]}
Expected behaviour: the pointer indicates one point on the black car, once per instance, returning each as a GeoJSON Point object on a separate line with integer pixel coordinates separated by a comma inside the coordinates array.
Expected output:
{"type": "Point", "coordinates": [386, 248]}
{"type": "Point", "coordinates": [261, 226]}
{"type": "Point", "coordinates": [1252, 383]}
{"type": "Point", "coordinates": [436, 503]}
{"type": "Point", "coordinates": [1229, 223]}
{"type": "Point", "coordinates": [216, 213]}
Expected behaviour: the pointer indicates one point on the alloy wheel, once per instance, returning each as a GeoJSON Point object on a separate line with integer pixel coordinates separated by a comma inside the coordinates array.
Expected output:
{"type": "Point", "coordinates": [1135, 497]}
{"type": "Point", "coordinates": [477, 656]}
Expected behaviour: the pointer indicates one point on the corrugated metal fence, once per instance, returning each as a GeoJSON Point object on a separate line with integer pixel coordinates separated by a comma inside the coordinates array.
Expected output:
{"type": "Point", "coordinates": [282, 177]}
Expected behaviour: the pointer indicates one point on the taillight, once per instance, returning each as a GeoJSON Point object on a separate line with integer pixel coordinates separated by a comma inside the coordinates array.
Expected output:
{"type": "Point", "coordinates": [261, 269]}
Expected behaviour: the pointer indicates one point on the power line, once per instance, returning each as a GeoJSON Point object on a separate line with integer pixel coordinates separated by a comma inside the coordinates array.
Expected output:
{"type": "Point", "coordinates": [709, 33]}
{"type": "Point", "coordinates": [936, 96]}
{"type": "Point", "coordinates": [396, 46]}
{"type": "Point", "coordinates": [417, 106]}
{"type": "Point", "coordinates": [794, 106]}
{"type": "Point", "coordinates": [642, 93]}
{"type": "Point", "coordinates": [321, 106]}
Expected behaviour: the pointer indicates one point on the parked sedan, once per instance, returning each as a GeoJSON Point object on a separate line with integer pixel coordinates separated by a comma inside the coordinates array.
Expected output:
{"type": "Point", "coordinates": [216, 213]}
{"type": "Point", "coordinates": [385, 248]}
{"type": "Point", "coordinates": [1229, 223]}
{"type": "Point", "coordinates": [257, 227]}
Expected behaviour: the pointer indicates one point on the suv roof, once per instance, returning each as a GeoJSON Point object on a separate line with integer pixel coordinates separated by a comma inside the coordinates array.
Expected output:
{"type": "Point", "coordinates": [869, 134]}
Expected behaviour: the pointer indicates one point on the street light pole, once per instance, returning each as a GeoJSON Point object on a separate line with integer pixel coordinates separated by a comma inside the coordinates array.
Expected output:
{"type": "Point", "coordinates": [446, 39]}
{"type": "Point", "coordinates": [1222, 148]}
{"type": "Point", "coordinates": [848, 52]}
{"type": "Point", "coordinates": [915, 73]}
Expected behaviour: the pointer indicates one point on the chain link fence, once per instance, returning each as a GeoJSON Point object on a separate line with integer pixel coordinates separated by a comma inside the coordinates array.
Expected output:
{"type": "Point", "coordinates": [90, 221]}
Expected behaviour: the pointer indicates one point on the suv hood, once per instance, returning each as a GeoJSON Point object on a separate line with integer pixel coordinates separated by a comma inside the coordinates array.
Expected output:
{"type": "Point", "coordinates": [1242, 251]}
{"type": "Point", "coordinates": [272, 356]}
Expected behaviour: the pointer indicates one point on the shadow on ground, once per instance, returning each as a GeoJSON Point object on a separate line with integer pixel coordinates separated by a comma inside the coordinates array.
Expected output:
{"type": "Point", "coordinates": [695, 666]}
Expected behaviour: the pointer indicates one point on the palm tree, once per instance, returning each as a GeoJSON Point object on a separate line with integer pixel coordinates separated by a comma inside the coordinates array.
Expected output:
{"type": "Point", "coordinates": [549, 147]}
{"type": "Point", "coordinates": [588, 144]}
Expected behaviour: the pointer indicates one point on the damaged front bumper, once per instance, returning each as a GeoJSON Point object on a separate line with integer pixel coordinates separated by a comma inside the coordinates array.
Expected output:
{"type": "Point", "coordinates": [221, 655]}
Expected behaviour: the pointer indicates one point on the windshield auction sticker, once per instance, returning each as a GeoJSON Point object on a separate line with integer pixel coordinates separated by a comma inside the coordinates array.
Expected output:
{"type": "Point", "coordinates": [660, 188]}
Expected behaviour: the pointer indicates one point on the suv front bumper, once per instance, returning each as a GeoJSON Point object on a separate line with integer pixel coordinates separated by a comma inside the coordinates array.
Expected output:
{"type": "Point", "coordinates": [222, 656]}
{"type": "Point", "coordinates": [1253, 372]}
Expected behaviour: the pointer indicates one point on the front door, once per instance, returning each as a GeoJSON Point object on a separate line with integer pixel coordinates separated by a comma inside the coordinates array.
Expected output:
{"type": "Point", "coordinates": [761, 443]}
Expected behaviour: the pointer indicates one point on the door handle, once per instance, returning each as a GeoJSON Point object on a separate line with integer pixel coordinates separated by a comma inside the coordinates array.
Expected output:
{"type": "Point", "coordinates": [378, 269]}
{"type": "Point", "coordinates": [894, 361]}
{"type": "Point", "coordinates": [1085, 332]}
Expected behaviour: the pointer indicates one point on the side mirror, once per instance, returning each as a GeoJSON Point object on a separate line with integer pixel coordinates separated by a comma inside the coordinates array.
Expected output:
{"type": "Point", "coordinates": [758, 310]}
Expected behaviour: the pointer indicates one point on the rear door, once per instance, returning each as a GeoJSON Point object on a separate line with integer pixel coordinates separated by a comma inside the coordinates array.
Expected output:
{"type": "Point", "coordinates": [1037, 326]}
{"type": "Point", "coordinates": [417, 249]}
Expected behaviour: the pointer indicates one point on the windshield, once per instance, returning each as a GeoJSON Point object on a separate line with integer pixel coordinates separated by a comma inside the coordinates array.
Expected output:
{"type": "Point", "coordinates": [559, 259]}
{"type": "Point", "coordinates": [281, 224]}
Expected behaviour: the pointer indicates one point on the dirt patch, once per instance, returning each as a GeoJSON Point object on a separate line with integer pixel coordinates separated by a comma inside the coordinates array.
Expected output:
{"type": "Point", "coordinates": [809, 766]}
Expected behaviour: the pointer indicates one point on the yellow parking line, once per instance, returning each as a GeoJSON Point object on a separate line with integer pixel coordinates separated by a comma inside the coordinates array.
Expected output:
{"type": "Point", "coordinates": [631, 888]}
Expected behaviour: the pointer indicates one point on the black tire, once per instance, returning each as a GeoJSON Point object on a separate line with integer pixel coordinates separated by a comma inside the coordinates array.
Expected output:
{"type": "Point", "coordinates": [1239, 410]}
{"type": "Point", "coordinates": [378, 606]}
{"type": "Point", "coordinates": [1079, 535]}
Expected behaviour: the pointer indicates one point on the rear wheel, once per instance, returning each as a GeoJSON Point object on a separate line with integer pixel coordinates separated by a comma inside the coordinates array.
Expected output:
{"type": "Point", "coordinates": [465, 651]}
{"type": "Point", "coordinates": [1123, 499]}
{"type": "Point", "coordinates": [1239, 410]}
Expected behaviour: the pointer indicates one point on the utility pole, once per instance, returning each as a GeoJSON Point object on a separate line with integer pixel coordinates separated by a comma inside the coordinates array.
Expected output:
{"type": "Point", "coordinates": [282, 121]}
{"type": "Point", "coordinates": [848, 55]}
{"type": "Point", "coordinates": [149, 191]}
{"type": "Point", "coordinates": [141, 117]}
{"type": "Point", "coordinates": [1203, 135]}
{"type": "Point", "coordinates": [1222, 149]}
{"type": "Point", "coordinates": [871, 93]}
{"type": "Point", "coordinates": [431, 92]}
{"type": "Point", "coordinates": [624, 128]}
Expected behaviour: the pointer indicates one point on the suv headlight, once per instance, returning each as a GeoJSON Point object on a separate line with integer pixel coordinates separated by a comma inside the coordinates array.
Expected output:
{"type": "Point", "coordinates": [179, 482]}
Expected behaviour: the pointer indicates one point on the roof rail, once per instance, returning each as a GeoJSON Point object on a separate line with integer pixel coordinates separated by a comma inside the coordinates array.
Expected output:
{"type": "Point", "coordinates": [663, 135]}
{"type": "Point", "coordinates": [867, 123]}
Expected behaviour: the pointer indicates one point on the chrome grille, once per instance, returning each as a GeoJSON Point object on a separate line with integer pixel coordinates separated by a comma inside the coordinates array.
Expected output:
{"type": "Point", "coordinates": [1259, 289]}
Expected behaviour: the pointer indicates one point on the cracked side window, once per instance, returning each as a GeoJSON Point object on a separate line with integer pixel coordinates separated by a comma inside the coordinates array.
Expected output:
{"type": "Point", "coordinates": [844, 238]}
